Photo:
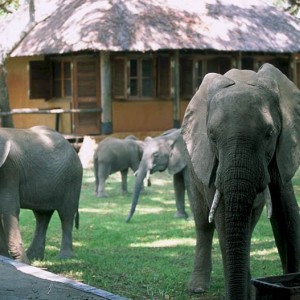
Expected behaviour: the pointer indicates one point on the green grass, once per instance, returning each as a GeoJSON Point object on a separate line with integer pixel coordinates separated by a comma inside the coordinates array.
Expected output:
{"type": "Point", "coordinates": [149, 258]}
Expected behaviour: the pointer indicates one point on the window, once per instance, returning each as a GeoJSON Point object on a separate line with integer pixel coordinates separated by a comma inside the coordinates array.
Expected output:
{"type": "Point", "coordinates": [186, 77]}
{"type": "Point", "coordinates": [194, 68]}
{"type": "Point", "coordinates": [62, 81]}
{"type": "Point", "coordinates": [141, 77]}
{"type": "Point", "coordinates": [39, 80]}
{"type": "Point", "coordinates": [163, 77]}
{"type": "Point", "coordinates": [50, 79]}
{"type": "Point", "coordinates": [282, 63]}
{"type": "Point", "coordinates": [298, 74]}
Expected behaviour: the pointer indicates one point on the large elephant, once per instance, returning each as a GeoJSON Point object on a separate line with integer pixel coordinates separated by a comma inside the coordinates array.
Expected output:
{"type": "Point", "coordinates": [39, 170]}
{"type": "Point", "coordinates": [113, 155]}
{"type": "Point", "coordinates": [242, 136]}
{"type": "Point", "coordinates": [161, 153]}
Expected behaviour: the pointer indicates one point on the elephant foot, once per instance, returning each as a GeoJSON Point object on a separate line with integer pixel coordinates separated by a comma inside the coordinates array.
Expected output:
{"type": "Point", "coordinates": [35, 255]}
{"type": "Point", "coordinates": [65, 254]}
{"type": "Point", "coordinates": [125, 193]}
{"type": "Point", "coordinates": [198, 284]}
{"type": "Point", "coordinates": [181, 215]}
{"type": "Point", "coordinates": [24, 260]}
{"type": "Point", "coordinates": [101, 195]}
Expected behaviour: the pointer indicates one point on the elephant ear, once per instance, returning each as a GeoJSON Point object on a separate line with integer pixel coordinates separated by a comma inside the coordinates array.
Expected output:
{"type": "Point", "coordinates": [176, 160]}
{"type": "Point", "coordinates": [194, 128]}
{"type": "Point", "coordinates": [140, 148]}
{"type": "Point", "coordinates": [288, 150]}
{"type": "Point", "coordinates": [245, 76]}
{"type": "Point", "coordinates": [4, 150]}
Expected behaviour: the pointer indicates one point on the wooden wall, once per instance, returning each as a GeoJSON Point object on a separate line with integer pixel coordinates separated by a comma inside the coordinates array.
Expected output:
{"type": "Point", "coordinates": [18, 83]}
{"type": "Point", "coordinates": [136, 116]}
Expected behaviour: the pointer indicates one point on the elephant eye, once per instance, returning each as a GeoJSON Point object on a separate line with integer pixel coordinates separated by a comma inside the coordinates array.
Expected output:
{"type": "Point", "coordinates": [155, 154]}
{"type": "Point", "coordinates": [269, 134]}
{"type": "Point", "coordinates": [212, 137]}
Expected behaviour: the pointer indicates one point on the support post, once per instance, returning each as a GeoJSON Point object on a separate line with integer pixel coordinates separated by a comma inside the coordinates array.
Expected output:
{"type": "Point", "coordinates": [106, 116]}
{"type": "Point", "coordinates": [175, 89]}
{"type": "Point", "coordinates": [236, 61]}
{"type": "Point", "coordinates": [293, 69]}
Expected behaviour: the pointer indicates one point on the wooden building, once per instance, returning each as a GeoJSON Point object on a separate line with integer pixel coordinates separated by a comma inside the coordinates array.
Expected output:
{"type": "Point", "coordinates": [139, 61]}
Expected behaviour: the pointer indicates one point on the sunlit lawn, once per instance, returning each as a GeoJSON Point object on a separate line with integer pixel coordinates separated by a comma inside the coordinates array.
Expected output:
{"type": "Point", "coordinates": [149, 258]}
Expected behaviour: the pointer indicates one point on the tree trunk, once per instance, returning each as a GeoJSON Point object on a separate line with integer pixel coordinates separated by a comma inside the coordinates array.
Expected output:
{"type": "Point", "coordinates": [5, 51]}
{"type": "Point", "coordinates": [6, 121]}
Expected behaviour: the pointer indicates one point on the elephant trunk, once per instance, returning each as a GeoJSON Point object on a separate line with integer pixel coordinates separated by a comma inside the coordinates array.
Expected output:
{"type": "Point", "coordinates": [140, 176]}
{"type": "Point", "coordinates": [239, 187]}
{"type": "Point", "coordinates": [237, 249]}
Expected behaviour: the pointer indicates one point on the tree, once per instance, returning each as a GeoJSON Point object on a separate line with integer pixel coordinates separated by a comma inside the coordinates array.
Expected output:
{"type": "Point", "coordinates": [291, 6]}
{"type": "Point", "coordinates": [5, 50]}
{"type": "Point", "coordinates": [7, 5]}
{"type": "Point", "coordinates": [294, 7]}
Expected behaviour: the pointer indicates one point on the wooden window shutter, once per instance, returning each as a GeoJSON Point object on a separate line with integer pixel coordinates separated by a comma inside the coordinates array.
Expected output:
{"type": "Point", "coordinates": [119, 78]}
{"type": "Point", "coordinates": [39, 80]}
{"type": "Point", "coordinates": [298, 74]}
{"type": "Point", "coordinates": [186, 78]}
{"type": "Point", "coordinates": [164, 77]}
{"type": "Point", "coordinates": [87, 78]}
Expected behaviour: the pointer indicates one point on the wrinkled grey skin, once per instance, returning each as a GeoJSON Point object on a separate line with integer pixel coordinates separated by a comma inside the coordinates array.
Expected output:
{"type": "Point", "coordinates": [161, 153]}
{"type": "Point", "coordinates": [242, 135]}
{"type": "Point", "coordinates": [39, 170]}
{"type": "Point", "coordinates": [113, 155]}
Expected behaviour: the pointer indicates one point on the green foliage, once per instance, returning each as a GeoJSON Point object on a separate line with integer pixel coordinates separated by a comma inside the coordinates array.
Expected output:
{"type": "Point", "coordinates": [8, 6]}
{"type": "Point", "coordinates": [291, 6]}
{"type": "Point", "coordinates": [149, 258]}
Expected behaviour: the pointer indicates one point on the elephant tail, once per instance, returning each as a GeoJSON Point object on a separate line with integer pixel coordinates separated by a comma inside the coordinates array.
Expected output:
{"type": "Point", "coordinates": [77, 219]}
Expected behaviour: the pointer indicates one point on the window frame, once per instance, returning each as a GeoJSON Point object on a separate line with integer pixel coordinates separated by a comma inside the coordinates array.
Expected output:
{"type": "Point", "coordinates": [139, 77]}
{"type": "Point", "coordinates": [121, 85]}
{"type": "Point", "coordinates": [62, 79]}
{"type": "Point", "coordinates": [196, 65]}
{"type": "Point", "coordinates": [41, 79]}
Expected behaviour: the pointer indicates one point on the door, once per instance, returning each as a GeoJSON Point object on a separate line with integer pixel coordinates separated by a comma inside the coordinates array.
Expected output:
{"type": "Point", "coordinates": [86, 95]}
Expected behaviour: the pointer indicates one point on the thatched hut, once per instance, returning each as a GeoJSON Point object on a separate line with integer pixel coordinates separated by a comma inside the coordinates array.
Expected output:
{"type": "Point", "coordinates": [140, 61]}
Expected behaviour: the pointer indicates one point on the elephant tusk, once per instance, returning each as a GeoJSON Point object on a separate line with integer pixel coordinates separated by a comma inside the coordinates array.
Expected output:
{"type": "Point", "coordinates": [268, 200]}
{"type": "Point", "coordinates": [214, 206]}
{"type": "Point", "coordinates": [148, 178]}
{"type": "Point", "coordinates": [148, 175]}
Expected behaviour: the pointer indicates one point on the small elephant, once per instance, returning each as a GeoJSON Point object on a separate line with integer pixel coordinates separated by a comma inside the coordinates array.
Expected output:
{"type": "Point", "coordinates": [161, 153]}
{"type": "Point", "coordinates": [242, 136]}
{"type": "Point", "coordinates": [39, 170]}
{"type": "Point", "coordinates": [113, 155]}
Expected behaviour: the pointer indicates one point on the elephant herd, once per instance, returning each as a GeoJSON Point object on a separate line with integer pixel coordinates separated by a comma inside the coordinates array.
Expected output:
{"type": "Point", "coordinates": [144, 158]}
{"type": "Point", "coordinates": [237, 150]}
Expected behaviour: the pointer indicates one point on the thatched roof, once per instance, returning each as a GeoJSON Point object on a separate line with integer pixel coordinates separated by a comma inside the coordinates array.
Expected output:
{"type": "Point", "coordinates": [143, 25]}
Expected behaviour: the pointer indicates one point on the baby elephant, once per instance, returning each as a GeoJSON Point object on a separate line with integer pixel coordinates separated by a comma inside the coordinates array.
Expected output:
{"type": "Point", "coordinates": [113, 155]}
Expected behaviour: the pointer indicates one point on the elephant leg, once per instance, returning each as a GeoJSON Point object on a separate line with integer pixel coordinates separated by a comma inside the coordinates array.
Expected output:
{"type": "Point", "coordinates": [36, 249]}
{"type": "Point", "coordinates": [11, 231]}
{"type": "Point", "coordinates": [285, 223]}
{"type": "Point", "coordinates": [124, 181]}
{"type": "Point", "coordinates": [101, 182]}
{"type": "Point", "coordinates": [96, 179]}
{"type": "Point", "coordinates": [179, 188]}
{"type": "Point", "coordinates": [201, 275]}
{"type": "Point", "coordinates": [3, 244]}
{"type": "Point", "coordinates": [67, 220]}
